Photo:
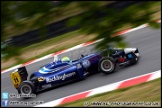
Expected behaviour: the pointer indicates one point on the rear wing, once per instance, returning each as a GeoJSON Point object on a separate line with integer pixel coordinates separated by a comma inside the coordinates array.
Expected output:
{"type": "Point", "coordinates": [18, 76]}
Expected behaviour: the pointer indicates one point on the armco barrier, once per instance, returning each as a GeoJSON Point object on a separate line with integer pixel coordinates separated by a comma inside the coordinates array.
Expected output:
{"type": "Point", "coordinates": [106, 88]}
{"type": "Point", "coordinates": [75, 47]}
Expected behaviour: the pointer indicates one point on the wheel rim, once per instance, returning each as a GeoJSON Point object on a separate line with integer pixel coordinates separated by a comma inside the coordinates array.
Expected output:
{"type": "Point", "coordinates": [106, 65]}
{"type": "Point", "coordinates": [26, 89]}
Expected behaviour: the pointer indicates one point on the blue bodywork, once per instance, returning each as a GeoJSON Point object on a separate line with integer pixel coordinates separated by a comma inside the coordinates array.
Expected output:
{"type": "Point", "coordinates": [65, 70]}
{"type": "Point", "coordinates": [56, 73]}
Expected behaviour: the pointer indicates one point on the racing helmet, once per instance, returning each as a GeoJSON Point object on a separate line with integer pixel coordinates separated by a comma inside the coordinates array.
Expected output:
{"type": "Point", "coordinates": [65, 59]}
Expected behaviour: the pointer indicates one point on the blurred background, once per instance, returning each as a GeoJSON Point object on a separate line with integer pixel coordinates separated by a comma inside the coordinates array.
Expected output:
{"type": "Point", "coordinates": [32, 29]}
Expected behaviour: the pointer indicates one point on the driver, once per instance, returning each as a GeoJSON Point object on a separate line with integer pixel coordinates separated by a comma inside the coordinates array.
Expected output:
{"type": "Point", "coordinates": [66, 59]}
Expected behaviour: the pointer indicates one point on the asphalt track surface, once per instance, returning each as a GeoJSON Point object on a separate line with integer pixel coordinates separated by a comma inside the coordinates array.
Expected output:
{"type": "Point", "coordinates": [147, 40]}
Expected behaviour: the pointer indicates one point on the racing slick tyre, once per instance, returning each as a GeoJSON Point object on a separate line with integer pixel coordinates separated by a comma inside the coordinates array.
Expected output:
{"type": "Point", "coordinates": [107, 65]}
{"type": "Point", "coordinates": [26, 88]}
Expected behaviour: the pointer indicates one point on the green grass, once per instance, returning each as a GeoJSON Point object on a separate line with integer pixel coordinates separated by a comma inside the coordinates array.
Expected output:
{"type": "Point", "coordinates": [148, 92]}
{"type": "Point", "coordinates": [51, 41]}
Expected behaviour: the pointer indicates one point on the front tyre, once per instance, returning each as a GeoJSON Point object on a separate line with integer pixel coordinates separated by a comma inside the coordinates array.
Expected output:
{"type": "Point", "coordinates": [107, 65]}
{"type": "Point", "coordinates": [26, 88]}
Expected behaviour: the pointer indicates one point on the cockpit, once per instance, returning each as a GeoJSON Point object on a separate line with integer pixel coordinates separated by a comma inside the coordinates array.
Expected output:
{"type": "Point", "coordinates": [56, 65]}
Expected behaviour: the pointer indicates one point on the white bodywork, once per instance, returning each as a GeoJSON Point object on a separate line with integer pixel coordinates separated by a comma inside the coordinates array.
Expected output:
{"type": "Point", "coordinates": [127, 50]}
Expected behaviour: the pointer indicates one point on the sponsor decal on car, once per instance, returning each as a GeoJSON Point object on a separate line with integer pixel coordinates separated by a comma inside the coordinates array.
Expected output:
{"type": "Point", "coordinates": [86, 63]}
{"type": "Point", "coordinates": [61, 77]}
{"type": "Point", "coordinates": [40, 79]}
{"type": "Point", "coordinates": [46, 86]}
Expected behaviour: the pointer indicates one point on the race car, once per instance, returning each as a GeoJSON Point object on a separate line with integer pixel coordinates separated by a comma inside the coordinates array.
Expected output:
{"type": "Point", "coordinates": [64, 70]}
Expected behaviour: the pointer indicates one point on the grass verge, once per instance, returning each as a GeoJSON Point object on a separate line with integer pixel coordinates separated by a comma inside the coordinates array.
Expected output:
{"type": "Point", "coordinates": [148, 94]}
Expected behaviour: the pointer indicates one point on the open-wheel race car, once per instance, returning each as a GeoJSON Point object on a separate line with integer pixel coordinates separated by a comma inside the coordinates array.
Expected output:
{"type": "Point", "coordinates": [64, 70]}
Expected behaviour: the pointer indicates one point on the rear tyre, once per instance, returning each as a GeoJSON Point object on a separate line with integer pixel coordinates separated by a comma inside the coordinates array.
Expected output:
{"type": "Point", "coordinates": [26, 88]}
{"type": "Point", "coordinates": [107, 65]}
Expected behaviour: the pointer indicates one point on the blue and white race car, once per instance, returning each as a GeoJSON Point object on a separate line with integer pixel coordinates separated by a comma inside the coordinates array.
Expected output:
{"type": "Point", "coordinates": [64, 70]}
